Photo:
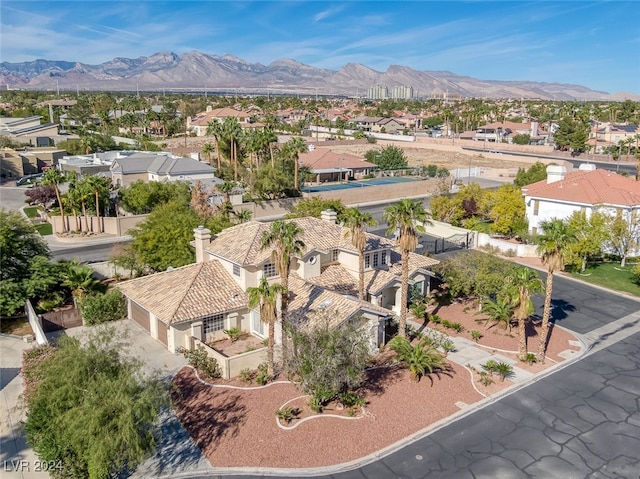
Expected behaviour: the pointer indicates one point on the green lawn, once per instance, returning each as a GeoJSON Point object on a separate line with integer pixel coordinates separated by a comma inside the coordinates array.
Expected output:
{"type": "Point", "coordinates": [31, 212]}
{"type": "Point", "coordinates": [610, 275]}
{"type": "Point", "coordinates": [44, 229]}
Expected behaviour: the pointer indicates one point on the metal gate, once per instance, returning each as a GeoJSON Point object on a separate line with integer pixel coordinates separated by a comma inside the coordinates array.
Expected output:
{"type": "Point", "coordinates": [435, 245]}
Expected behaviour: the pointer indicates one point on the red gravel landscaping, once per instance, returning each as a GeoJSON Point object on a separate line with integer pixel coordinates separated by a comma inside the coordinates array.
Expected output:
{"type": "Point", "coordinates": [239, 428]}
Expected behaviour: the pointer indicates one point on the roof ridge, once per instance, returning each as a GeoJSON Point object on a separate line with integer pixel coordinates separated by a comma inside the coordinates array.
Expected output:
{"type": "Point", "coordinates": [199, 267]}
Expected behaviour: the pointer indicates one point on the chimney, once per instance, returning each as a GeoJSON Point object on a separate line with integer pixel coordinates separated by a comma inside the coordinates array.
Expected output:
{"type": "Point", "coordinates": [203, 238]}
{"type": "Point", "coordinates": [587, 167]}
{"type": "Point", "coordinates": [329, 216]}
{"type": "Point", "coordinates": [555, 173]}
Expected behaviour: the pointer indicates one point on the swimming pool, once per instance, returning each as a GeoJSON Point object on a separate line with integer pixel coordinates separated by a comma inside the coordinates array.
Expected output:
{"type": "Point", "coordinates": [387, 180]}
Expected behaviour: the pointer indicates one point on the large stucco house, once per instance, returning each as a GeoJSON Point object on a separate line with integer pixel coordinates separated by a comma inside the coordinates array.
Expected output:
{"type": "Point", "coordinates": [587, 189]}
{"type": "Point", "coordinates": [201, 300]}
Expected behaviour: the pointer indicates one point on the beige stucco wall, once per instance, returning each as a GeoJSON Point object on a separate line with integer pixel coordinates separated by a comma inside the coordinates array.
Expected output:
{"type": "Point", "coordinates": [119, 226]}
{"type": "Point", "coordinates": [126, 180]}
{"type": "Point", "coordinates": [356, 196]}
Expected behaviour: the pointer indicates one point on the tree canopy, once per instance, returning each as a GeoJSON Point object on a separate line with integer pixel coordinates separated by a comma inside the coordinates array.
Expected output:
{"type": "Point", "coordinates": [389, 158]}
{"type": "Point", "coordinates": [142, 197]}
{"type": "Point", "coordinates": [314, 206]}
{"type": "Point", "coordinates": [536, 172]}
{"type": "Point", "coordinates": [90, 407]}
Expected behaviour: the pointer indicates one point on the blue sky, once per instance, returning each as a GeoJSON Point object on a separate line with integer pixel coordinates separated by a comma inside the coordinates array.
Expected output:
{"type": "Point", "coordinates": [595, 44]}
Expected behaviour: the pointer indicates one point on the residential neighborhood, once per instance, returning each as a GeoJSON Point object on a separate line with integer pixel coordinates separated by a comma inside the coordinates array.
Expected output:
{"type": "Point", "coordinates": [282, 276]}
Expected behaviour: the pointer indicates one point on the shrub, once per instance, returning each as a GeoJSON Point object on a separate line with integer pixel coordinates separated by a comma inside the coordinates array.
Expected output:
{"type": "Point", "coordinates": [485, 378]}
{"type": "Point", "coordinates": [490, 366]}
{"type": "Point", "coordinates": [457, 327]}
{"type": "Point", "coordinates": [419, 310]}
{"type": "Point", "coordinates": [435, 319]}
{"type": "Point", "coordinates": [316, 404]}
{"type": "Point", "coordinates": [262, 377]}
{"type": "Point", "coordinates": [233, 334]}
{"type": "Point", "coordinates": [246, 375]}
{"type": "Point", "coordinates": [100, 308]}
{"type": "Point", "coordinates": [206, 365]}
{"type": "Point", "coordinates": [351, 399]}
{"type": "Point", "coordinates": [475, 335]}
{"type": "Point", "coordinates": [530, 358]}
{"type": "Point", "coordinates": [287, 414]}
{"type": "Point", "coordinates": [504, 370]}
{"type": "Point", "coordinates": [448, 346]}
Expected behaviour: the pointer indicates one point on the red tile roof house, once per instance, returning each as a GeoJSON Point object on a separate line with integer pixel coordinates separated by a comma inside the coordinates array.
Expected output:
{"type": "Point", "coordinates": [195, 303]}
{"type": "Point", "coordinates": [330, 166]}
{"type": "Point", "coordinates": [585, 189]}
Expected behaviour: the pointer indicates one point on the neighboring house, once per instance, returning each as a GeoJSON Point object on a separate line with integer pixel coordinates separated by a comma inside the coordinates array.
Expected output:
{"type": "Point", "coordinates": [603, 135]}
{"type": "Point", "coordinates": [15, 164]}
{"type": "Point", "coordinates": [200, 122]}
{"type": "Point", "coordinates": [147, 166]}
{"type": "Point", "coordinates": [586, 189]}
{"type": "Point", "coordinates": [376, 124]}
{"type": "Point", "coordinates": [330, 166]}
{"type": "Point", "coordinates": [203, 299]}
{"type": "Point", "coordinates": [506, 131]}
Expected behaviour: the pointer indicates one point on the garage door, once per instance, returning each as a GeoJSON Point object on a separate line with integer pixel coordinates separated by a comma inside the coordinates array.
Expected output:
{"type": "Point", "coordinates": [140, 315]}
{"type": "Point", "coordinates": [162, 333]}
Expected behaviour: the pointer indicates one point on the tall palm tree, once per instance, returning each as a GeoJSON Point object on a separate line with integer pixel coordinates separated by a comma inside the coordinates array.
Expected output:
{"type": "Point", "coordinates": [207, 148]}
{"type": "Point", "coordinates": [214, 128]}
{"type": "Point", "coordinates": [293, 148]}
{"type": "Point", "coordinates": [100, 187]}
{"type": "Point", "coordinates": [553, 244]}
{"type": "Point", "coordinates": [265, 296]}
{"type": "Point", "coordinates": [53, 177]}
{"type": "Point", "coordinates": [523, 283]}
{"type": "Point", "coordinates": [409, 217]}
{"type": "Point", "coordinates": [232, 131]}
{"type": "Point", "coordinates": [356, 221]}
{"type": "Point", "coordinates": [284, 239]}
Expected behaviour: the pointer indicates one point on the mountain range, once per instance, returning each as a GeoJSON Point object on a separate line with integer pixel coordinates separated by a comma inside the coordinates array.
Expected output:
{"type": "Point", "coordinates": [199, 71]}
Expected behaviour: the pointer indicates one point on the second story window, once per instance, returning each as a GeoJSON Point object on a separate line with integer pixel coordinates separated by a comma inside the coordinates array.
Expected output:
{"type": "Point", "coordinates": [269, 270]}
{"type": "Point", "coordinates": [383, 257]}
{"type": "Point", "coordinates": [334, 255]}
{"type": "Point", "coordinates": [536, 207]}
{"type": "Point", "coordinates": [375, 260]}
{"type": "Point", "coordinates": [367, 261]}
{"type": "Point", "coordinates": [236, 270]}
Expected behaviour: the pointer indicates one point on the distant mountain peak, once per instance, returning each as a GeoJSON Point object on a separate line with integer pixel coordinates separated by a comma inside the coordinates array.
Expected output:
{"type": "Point", "coordinates": [196, 70]}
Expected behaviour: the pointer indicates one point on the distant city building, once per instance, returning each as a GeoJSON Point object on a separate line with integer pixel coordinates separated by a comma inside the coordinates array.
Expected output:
{"type": "Point", "coordinates": [378, 92]}
{"type": "Point", "coordinates": [402, 92]}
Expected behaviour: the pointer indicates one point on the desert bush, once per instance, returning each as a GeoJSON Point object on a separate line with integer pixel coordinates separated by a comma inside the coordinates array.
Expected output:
{"type": "Point", "coordinates": [206, 365]}
{"type": "Point", "coordinates": [99, 308]}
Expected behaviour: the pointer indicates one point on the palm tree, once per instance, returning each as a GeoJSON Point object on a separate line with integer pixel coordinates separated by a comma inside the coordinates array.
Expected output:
{"type": "Point", "coordinates": [284, 239]}
{"type": "Point", "coordinates": [498, 311]}
{"type": "Point", "coordinates": [552, 247]}
{"type": "Point", "coordinates": [207, 148]}
{"type": "Point", "coordinates": [225, 188]}
{"type": "Point", "coordinates": [409, 217]}
{"type": "Point", "coordinates": [356, 221]}
{"type": "Point", "coordinates": [79, 279]}
{"type": "Point", "coordinates": [522, 283]}
{"type": "Point", "coordinates": [214, 128]}
{"type": "Point", "coordinates": [293, 148]}
{"type": "Point", "coordinates": [265, 296]}
{"type": "Point", "coordinates": [420, 359]}
{"type": "Point", "coordinates": [232, 131]}
{"type": "Point", "coordinates": [100, 187]}
{"type": "Point", "coordinates": [53, 177]}
{"type": "Point", "coordinates": [243, 215]}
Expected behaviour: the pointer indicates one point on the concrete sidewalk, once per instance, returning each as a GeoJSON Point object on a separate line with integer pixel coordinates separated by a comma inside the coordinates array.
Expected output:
{"type": "Point", "coordinates": [18, 459]}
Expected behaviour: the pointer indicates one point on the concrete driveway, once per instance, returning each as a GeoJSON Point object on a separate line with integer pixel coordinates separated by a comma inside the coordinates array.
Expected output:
{"type": "Point", "coordinates": [176, 452]}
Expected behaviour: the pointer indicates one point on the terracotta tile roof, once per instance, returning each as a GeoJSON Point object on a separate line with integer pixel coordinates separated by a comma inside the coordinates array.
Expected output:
{"type": "Point", "coordinates": [241, 244]}
{"type": "Point", "coordinates": [204, 118]}
{"type": "Point", "coordinates": [337, 278]}
{"type": "Point", "coordinates": [589, 187]}
{"type": "Point", "coordinates": [186, 293]}
{"type": "Point", "coordinates": [308, 298]}
{"type": "Point", "coordinates": [323, 158]}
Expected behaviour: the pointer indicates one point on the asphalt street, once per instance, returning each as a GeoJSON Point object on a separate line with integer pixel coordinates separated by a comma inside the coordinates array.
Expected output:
{"type": "Point", "coordinates": [581, 421]}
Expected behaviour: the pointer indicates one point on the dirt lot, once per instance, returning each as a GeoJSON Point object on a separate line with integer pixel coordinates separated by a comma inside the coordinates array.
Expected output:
{"type": "Point", "coordinates": [449, 156]}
